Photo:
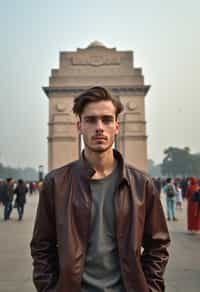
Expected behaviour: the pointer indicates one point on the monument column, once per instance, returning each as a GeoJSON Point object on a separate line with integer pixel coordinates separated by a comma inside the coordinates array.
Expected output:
{"type": "Point", "coordinates": [63, 139]}
{"type": "Point", "coordinates": [132, 139]}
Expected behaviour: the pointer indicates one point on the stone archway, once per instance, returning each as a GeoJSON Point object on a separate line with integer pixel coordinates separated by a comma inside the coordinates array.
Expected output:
{"type": "Point", "coordinates": [92, 66]}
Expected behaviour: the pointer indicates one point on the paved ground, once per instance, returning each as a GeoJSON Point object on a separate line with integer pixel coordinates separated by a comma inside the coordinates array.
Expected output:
{"type": "Point", "coordinates": [15, 260]}
{"type": "Point", "coordinates": [182, 275]}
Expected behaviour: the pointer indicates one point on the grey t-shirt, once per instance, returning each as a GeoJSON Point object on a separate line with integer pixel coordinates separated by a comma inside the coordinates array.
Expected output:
{"type": "Point", "coordinates": [102, 269]}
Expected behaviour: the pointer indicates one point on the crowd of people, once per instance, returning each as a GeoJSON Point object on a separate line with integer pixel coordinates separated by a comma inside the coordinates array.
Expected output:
{"type": "Point", "coordinates": [13, 195]}
{"type": "Point", "coordinates": [179, 189]}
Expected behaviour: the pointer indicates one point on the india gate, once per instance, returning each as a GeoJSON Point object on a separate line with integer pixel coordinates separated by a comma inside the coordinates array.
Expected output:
{"type": "Point", "coordinates": [96, 65]}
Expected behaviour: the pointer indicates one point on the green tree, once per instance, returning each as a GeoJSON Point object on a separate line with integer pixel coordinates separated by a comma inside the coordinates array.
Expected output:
{"type": "Point", "coordinates": [18, 173]}
{"type": "Point", "coordinates": [180, 162]}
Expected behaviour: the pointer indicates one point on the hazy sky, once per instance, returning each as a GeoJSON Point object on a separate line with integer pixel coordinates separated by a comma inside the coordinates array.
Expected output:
{"type": "Point", "coordinates": [165, 38]}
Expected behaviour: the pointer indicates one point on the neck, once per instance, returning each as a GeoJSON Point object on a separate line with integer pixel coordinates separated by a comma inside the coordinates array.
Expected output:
{"type": "Point", "coordinates": [103, 163]}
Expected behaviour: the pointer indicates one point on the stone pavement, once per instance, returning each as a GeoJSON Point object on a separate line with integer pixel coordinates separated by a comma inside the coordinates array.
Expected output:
{"type": "Point", "coordinates": [15, 260]}
{"type": "Point", "coordinates": [182, 274]}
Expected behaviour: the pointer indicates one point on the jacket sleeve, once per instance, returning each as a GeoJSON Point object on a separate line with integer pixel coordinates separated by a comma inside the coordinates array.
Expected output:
{"type": "Point", "coordinates": [44, 243]}
{"type": "Point", "coordinates": [155, 241]}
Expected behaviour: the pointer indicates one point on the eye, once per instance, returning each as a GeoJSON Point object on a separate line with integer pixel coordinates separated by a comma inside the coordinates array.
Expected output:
{"type": "Point", "coordinates": [90, 119]}
{"type": "Point", "coordinates": [107, 119]}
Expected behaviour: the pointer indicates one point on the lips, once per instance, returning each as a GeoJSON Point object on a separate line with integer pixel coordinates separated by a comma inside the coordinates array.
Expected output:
{"type": "Point", "coordinates": [99, 138]}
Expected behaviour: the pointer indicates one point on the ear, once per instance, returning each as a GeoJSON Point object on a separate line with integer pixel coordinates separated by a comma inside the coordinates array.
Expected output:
{"type": "Point", "coordinates": [117, 128]}
{"type": "Point", "coordinates": [78, 125]}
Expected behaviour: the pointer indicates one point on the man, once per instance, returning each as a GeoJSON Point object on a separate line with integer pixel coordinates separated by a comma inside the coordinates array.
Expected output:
{"type": "Point", "coordinates": [7, 193]}
{"type": "Point", "coordinates": [171, 193]}
{"type": "Point", "coordinates": [1, 190]}
{"type": "Point", "coordinates": [158, 185]}
{"type": "Point", "coordinates": [99, 225]}
{"type": "Point", "coordinates": [21, 190]}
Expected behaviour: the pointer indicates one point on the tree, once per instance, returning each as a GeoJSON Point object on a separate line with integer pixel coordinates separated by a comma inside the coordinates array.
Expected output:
{"type": "Point", "coordinates": [18, 173]}
{"type": "Point", "coordinates": [180, 162]}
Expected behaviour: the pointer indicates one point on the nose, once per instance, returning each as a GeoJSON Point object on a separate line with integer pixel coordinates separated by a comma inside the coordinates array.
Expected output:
{"type": "Point", "coordinates": [99, 125]}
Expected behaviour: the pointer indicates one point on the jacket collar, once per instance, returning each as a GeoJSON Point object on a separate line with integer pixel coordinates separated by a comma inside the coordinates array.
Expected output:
{"type": "Point", "coordinates": [87, 171]}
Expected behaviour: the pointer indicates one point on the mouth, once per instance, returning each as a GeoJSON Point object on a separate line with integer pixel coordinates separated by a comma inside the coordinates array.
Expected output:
{"type": "Point", "coordinates": [99, 138]}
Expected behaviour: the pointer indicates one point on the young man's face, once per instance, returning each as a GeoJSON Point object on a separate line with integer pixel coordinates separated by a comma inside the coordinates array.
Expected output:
{"type": "Point", "coordinates": [98, 126]}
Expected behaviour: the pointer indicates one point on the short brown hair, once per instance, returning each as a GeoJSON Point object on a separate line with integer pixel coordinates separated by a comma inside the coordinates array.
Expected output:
{"type": "Point", "coordinates": [95, 94]}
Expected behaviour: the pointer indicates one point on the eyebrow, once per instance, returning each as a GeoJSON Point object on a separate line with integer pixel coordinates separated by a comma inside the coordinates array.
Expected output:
{"type": "Point", "coordinates": [98, 116]}
{"type": "Point", "coordinates": [102, 117]}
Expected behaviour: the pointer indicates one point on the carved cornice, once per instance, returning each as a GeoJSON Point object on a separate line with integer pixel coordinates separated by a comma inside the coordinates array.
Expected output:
{"type": "Point", "coordinates": [137, 89]}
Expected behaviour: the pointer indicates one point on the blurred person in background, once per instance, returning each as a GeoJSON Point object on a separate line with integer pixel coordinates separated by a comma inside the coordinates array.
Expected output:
{"type": "Point", "coordinates": [20, 191]}
{"type": "Point", "coordinates": [7, 197]}
{"type": "Point", "coordinates": [170, 191]}
{"type": "Point", "coordinates": [179, 198]}
{"type": "Point", "coordinates": [1, 190]}
{"type": "Point", "coordinates": [193, 210]}
{"type": "Point", "coordinates": [158, 185]}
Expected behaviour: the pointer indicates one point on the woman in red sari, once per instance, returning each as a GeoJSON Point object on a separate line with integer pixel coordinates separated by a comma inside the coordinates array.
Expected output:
{"type": "Point", "coordinates": [193, 209]}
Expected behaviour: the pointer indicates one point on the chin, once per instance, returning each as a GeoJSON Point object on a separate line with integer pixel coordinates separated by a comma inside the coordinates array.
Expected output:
{"type": "Point", "coordinates": [100, 149]}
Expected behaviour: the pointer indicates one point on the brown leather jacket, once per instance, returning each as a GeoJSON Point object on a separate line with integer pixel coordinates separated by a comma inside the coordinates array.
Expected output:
{"type": "Point", "coordinates": [62, 226]}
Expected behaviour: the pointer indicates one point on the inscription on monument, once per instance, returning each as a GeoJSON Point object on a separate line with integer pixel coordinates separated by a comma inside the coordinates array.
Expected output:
{"type": "Point", "coordinates": [96, 60]}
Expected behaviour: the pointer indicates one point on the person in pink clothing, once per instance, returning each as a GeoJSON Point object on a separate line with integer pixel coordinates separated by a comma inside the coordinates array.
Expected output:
{"type": "Point", "coordinates": [193, 208]}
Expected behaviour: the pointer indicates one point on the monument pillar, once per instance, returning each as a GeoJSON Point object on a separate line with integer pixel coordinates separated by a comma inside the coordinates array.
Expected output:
{"type": "Point", "coordinates": [96, 65]}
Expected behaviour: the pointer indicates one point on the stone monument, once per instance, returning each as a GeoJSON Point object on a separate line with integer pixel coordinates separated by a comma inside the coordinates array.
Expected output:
{"type": "Point", "coordinates": [78, 70]}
